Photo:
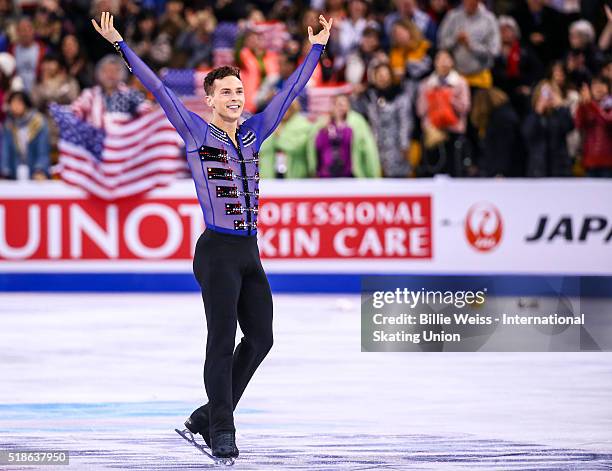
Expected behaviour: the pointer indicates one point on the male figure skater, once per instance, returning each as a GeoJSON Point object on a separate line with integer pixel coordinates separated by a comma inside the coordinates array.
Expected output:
{"type": "Point", "coordinates": [223, 158]}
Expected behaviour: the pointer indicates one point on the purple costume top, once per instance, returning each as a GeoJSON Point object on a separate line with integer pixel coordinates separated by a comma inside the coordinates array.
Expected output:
{"type": "Point", "coordinates": [226, 177]}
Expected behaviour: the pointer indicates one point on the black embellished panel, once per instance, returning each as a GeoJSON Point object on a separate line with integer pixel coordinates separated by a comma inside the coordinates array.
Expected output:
{"type": "Point", "coordinates": [233, 208]}
{"type": "Point", "coordinates": [213, 154]}
{"type": "Point", "coordinates": [237, 208]}
{"type": "Point", "coordinates": [255, 157]}
{"type": "Point", "coordinates": [227, 192]}
{"type": "Point", "coordinates": [250, 193]}
{"type": "Point", "coordinates": [255, 177]}
{"type": "Point", "coordinates": [220, 174]}
{"type": "Point", "coordinates": [242, 224]}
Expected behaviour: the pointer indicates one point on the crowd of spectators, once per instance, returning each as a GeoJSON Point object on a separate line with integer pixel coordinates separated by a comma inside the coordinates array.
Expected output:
{"type": "Point", "coordinates": [514, 88]}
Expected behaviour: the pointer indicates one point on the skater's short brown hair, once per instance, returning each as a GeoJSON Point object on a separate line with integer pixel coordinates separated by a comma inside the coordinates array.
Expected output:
{"type": "Point", "coordinates": [219, 73]}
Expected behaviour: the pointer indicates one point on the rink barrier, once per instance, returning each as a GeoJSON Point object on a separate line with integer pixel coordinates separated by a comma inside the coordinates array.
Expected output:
{"type": "Point", "coordinates": [314, 235]}
{"type": "Point", "coordinates": [505, 285]}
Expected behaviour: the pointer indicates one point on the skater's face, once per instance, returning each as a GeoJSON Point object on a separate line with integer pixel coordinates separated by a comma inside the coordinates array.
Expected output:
{"type": "Point", "coordinates": [227, 99]}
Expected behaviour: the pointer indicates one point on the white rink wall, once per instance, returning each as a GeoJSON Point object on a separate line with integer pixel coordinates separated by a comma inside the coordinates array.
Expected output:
{"type": "Point", "coordinates": [318, 235]}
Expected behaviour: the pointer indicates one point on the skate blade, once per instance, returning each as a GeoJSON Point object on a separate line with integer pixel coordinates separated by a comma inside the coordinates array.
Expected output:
{"type": "Point", "coordinates": [187, 435]}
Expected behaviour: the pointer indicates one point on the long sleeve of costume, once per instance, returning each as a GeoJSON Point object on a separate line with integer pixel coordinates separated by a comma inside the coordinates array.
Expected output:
{"type": "Point", "coordinates": [175, 110]}
{"type": "Point", "coordinates": [266, 121]}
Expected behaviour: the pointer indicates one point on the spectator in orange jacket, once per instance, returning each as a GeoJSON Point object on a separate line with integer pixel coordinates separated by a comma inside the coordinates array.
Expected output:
{"type": "Point", "coordinates": [256, 64]}
{"type": "Point", "coordinates": [594, 119]}
{"type": "Point", "coordinates": [443, 104]}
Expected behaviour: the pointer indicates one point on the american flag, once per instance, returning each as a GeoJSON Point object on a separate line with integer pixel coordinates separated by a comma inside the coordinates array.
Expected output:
{"type": "Point", "coordinates": [126, 157]}
{"type": "Point", "coordinates": [320, 99]}
{"type": "Point", "coordinates": [189, 85]}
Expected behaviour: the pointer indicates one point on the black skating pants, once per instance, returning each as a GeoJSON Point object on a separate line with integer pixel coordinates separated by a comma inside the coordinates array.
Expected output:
{"type": "Point", "coordinates": [234, 289]}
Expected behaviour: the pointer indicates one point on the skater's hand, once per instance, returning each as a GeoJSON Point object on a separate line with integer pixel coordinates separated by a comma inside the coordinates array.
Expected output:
{"type": "Point", "coordinates": [106, 28]}
{"type": "Point", "coordinates": [323, 35]}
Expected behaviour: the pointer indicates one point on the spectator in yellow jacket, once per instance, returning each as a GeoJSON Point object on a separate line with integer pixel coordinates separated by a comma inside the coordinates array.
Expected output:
{"type": "Point", "coordinates": [409, 56]}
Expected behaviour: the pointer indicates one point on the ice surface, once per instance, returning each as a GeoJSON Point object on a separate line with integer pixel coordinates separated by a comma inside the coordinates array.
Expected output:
{"type": "Point", "coordinates": [109, 376]}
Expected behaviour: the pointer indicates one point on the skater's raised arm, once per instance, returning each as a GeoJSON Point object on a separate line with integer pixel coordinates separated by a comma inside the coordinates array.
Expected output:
{"type": "Point", "coordinates": [265, 122]}
{"type": "Point", "coordinates": [180, 117]}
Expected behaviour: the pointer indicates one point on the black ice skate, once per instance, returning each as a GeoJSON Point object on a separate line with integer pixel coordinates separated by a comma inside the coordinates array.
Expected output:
{"type": "Point", "coordinates": [196, 427]}
{"type": "Point", "coordinates": [224, 445]}
{"type": "Point", "coordinates": [189, 437]}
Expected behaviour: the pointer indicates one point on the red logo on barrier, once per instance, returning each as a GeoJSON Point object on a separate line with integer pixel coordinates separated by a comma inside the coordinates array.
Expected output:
{"type": "Point", "coordinates": [483, 226]}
